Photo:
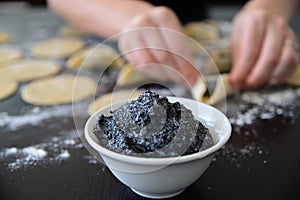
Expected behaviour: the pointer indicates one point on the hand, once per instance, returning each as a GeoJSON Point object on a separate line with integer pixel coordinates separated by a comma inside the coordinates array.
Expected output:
{"type": "Point", "coordinates": [262, 51]}
{"type": "Point", "coordinates": [153, 42]}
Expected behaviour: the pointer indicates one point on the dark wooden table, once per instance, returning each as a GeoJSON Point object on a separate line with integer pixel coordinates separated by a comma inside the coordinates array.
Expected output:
{"type": "Point", "coordinates": [260, 161]}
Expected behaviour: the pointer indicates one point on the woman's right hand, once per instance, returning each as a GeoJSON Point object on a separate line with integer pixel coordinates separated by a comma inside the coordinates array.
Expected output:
{"type": "Point", "coordinates": [153, 40]}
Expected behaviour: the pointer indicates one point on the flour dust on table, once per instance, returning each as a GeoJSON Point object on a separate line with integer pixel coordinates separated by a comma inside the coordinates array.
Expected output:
{"type": "Point", "coordinates": [53, 151]}
{"type": "Point", "coordinates": [255, 110]}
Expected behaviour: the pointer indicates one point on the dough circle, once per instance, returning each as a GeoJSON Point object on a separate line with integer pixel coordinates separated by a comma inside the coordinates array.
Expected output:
{"type": "Point", "coordinates": [294, 79]}
{"type": "Point", "coordinates": [110, 98]}
{"type": "Point", "coordinates": [7, 88]}
{"type": "Point", "coordinates": [8, 55]}
{"type": "Point", "coordinates": [27, 70]}
{"type": "Point", "coordinates": [4, 37]}
{"type": "Point", "coordinates": [94, 57]}
{"type": "Point", "coordinates": [57, 47]}
{"type": "Point", "coordinates": [222, 61]}
{"type": "Point", "coordinates": [68, 30]}
{"type": "Point", "coordinates": [59, 90]}
{"type": "Point", "coordinates": [130, 76]}
{"type": "Point", "coordinates": [202, 31]}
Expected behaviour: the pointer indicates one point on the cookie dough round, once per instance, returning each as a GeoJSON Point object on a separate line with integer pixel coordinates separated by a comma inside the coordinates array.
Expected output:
{"type": "Point", "coordinates": [100, 56]}
{"type": "Point", "coordinates": [4, 37]}
{"type": "Point", "coordinates": [69, 30]}
{"type": "Point", "coordinates": [222, 61]}
{"type": "Point", "coordinates": [110, 98]}
{"type": "Point", "coordinates": [294, 79]}
{"type": "Point", "coordinates": [59, 90]}
{"type": "Point", "coordinates": [202, 31]}
{"type": "Point", "coordinates": [27, 70]}
{"type": "Point", "coordinates": [130, 76]}
{"type": "Point", "coordinates": [57, 47]}
{"type": "Point", "coordinates": [7, 88]}
{"type": "Point", "coordinates": [9, 54]}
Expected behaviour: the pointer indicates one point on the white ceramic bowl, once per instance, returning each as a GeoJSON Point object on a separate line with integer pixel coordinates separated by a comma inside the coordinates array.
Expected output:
{"type": "Point", "coordinates": [164, 177]}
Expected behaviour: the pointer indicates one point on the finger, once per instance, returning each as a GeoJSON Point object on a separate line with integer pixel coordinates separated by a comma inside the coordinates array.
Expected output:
{"type": "Point", "coordinates": [146, 67]}
{"type": "Point", "coordinates": [246, 43]}
{"type": "Point", "coordinates": [268, 58]}
{"type": "Point", "coordinates": [181, 55]}
{"type": "Point", "coordinates": [141, 56]}
{"type": "Point", "coordinates": [288, 62]}
{"type": "Point", "coordinates": [150, 45]}
{"type": "Point", "coordinates": [133, 51]}
{"type": "Point", "coordinates": [155, 45]}
{"type": "Point", "coordinates": [175, 42]}
{"type": "Point", "coordinates": [135, 47]}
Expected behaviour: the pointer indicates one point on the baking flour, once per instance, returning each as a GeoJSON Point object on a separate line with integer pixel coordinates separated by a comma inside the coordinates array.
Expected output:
{"type": "Point", "coordinates": [257, 107]}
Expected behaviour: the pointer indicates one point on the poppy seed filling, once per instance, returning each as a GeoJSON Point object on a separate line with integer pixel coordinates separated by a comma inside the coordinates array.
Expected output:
{"type": "Point", "coordinates": [153, 126]}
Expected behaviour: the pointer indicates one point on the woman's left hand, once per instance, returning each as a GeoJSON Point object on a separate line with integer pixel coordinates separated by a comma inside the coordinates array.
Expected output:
{"type": "Point", "coordinates": [265, 49]}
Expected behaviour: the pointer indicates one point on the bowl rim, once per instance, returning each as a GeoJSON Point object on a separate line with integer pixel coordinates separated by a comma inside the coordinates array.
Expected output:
{"type": "Point", "coordinates": [159, 161]}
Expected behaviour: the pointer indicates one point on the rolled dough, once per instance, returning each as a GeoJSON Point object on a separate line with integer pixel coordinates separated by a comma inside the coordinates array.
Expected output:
{"type": "Point", "coordinates": [110, 98]}
{"type": "Point", "coordinates": [69, 30]}
{"type": "Point", "coordinates": [100, 56]}
{"type": "Point", "coordinates": [222, 58]}
{"type": "Point", "coordinates": [202, 31]}
{"type": "Point", "coordinates": [57, 47]}
{"type": "Point", "coordinates": [294, 79]}
{"type": "Point", "coordinates": [9, 54]}
{"type": "Point", "coordinates": [7, 88]}
{"type": "Point", "coordinates": [59, 90]}
{"type": "Point", "coordinates": [27, 70]}
{"type": "Point", "coordinates": [130, 76]}
{"type": "Point", "coordinates": [4, 37]}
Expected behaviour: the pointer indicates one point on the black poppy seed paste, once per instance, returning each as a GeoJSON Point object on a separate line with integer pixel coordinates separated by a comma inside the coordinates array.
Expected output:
{"type": "Point", "coordinates": [153, 126]}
